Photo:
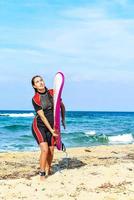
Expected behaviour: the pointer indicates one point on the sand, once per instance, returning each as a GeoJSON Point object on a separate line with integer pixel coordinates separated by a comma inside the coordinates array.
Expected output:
{"type": "Point", "coordinates": [93, 173]}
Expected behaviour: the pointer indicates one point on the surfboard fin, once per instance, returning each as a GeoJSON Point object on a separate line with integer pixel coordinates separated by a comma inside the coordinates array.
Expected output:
{"type": "Point", "coordinates": [63, 147]}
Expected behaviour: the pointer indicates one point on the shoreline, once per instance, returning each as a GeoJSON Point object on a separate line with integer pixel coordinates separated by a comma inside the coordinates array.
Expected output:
{"type": "Point", "coordinates": [103, 172]}
{"type": "Point", "coordinates": [68, 148]}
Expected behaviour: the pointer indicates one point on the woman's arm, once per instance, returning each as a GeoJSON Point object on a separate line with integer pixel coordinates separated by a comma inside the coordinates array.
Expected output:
{"type": "Point", "coordinates": [45, 121]}
{"type": "Point", "coordinates": [63, 114]}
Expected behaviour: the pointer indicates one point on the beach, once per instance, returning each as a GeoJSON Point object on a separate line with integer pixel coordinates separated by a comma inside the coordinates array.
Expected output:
{"type": "Point", "coordinates": [96, 173]}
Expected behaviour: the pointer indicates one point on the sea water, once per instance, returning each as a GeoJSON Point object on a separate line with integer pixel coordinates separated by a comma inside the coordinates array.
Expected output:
{"type": "Point", "coordinates": [83, 128]}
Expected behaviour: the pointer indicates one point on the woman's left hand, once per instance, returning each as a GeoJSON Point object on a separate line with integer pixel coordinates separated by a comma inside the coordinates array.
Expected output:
{"type": "Point", "coordinates": [63, 123]}
{"type": "Point", "coordinates": [54, 133]}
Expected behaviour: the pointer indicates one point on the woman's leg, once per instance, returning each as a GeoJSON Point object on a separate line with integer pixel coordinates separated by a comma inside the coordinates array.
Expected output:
{"type": "Point", "coordinates": [49, 159]}
{"type": "Point", "coordinates": [43, 157]}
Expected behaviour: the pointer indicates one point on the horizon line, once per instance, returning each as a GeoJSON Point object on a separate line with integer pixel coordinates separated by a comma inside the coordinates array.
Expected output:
{"type": "Point", "coordinates": [26, 110]}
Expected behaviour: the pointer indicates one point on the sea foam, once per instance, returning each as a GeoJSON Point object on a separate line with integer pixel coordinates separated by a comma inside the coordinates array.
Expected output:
{"type": "Point", "coordinates": [18, 114]}
{"type": "Point", "coordinates": [126, 138]}
{"type": "Point", "coordinates": [90, 133]}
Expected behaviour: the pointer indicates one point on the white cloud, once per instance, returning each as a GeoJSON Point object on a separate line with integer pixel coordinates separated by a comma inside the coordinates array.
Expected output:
{"type": "Point", "coordinates": [85, 40]}
{"type": "Point", "coordinates": [84, 13]}
{"type": "Point", "coordinates": [107, 43]}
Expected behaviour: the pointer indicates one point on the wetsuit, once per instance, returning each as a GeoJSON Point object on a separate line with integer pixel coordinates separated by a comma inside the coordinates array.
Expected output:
{"type": "Point", "coordinates": [43, 101]}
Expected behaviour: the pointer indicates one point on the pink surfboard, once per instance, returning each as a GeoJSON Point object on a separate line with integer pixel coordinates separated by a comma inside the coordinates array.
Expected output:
{"type": "Point", "coordinates": [58, 86]}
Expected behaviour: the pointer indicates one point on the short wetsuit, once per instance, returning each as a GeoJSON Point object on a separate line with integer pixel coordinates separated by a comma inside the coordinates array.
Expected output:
{"type": "Point", "coordinates": [43, 101]}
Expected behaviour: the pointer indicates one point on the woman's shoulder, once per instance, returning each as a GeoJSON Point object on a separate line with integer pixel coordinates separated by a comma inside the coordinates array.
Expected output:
{"type": "Point", "coordinates": [36, 95]}
{"type": "Point", "coordinates": [51, 91]}
{"type": "Point", "coordinates": [36, 98]}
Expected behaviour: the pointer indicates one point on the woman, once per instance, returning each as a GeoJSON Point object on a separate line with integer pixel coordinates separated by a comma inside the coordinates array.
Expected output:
{"type": "Point", "coordinates": [43, 123]}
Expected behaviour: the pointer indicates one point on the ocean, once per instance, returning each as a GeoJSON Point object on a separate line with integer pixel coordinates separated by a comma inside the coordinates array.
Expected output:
{"type": "Point", "coordinates": [83, 128]}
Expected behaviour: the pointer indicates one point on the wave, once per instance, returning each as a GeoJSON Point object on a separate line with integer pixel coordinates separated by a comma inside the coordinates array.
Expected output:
{"type": "Point", "coordinates": [121, 139]}
{"type": "Point", "coordinates": [19, 148]}
{"type": "Point", "coordinates": [102, 138]}
{"type": "Point", "coordinates": [26, 137]}
{"type": "Point", "coordinates": [90, 133]}
{"type": "Point", "coordinates": [17, 115]}
{"type": "Point", "coordinates": [16, 127]}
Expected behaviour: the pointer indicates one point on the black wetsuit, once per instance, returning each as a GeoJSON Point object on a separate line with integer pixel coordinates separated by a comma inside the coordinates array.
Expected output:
{"type": "Point", "coordinates": [43, 101]}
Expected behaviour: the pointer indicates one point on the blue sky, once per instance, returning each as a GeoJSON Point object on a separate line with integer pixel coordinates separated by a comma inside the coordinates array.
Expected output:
{"type": "Point", "coordinates": [91, 42]}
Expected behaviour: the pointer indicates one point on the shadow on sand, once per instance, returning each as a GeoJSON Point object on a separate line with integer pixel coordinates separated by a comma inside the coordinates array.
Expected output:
{"type": "Point", "coordinates": [67, 163]}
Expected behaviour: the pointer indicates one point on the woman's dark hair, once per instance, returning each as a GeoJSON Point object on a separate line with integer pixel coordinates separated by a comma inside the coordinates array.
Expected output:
{"type": "Point", "coordinates": [32, 81]}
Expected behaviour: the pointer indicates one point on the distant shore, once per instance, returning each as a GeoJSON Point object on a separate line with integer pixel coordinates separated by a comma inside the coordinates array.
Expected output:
{"type": "Point", "coordinates": [96, 173]}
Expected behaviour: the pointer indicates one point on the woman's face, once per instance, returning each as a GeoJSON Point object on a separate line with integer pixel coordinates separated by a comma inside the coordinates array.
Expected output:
{"type": "Point", "coordinates": [39, 83]}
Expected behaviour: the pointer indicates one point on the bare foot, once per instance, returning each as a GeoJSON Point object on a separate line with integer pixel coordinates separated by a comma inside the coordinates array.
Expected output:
{"type": "Point", "coordinates": [42, 178]}
{"type": "Point", "coordinates": [48, 172]}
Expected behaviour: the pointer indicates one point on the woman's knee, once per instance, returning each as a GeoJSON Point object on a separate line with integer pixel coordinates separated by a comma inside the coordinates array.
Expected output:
{"type": "Point", "coordinates": [44, 147]}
